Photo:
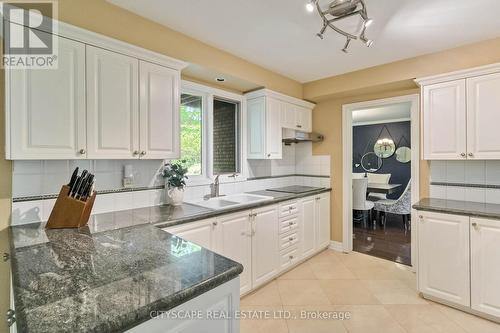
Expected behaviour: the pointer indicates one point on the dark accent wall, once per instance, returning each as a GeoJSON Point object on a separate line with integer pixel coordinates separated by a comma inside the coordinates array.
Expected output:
{"type": "Point", "coordinates": [224, 137]}
{"type": "Point", "coordinates": [364, 137]}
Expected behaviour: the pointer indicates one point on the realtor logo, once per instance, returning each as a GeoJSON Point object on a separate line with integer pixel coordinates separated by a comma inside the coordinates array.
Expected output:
{"type": "Point", "coordinates": [29, 39]}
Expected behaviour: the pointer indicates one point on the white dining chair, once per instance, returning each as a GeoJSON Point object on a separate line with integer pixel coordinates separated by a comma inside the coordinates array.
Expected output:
{"type": "Point", "coordinates": [358, 175]}
{"type": "Point", "coordinates": [359, 202]}
{"type": "Point", "coordinates": [378, 178]}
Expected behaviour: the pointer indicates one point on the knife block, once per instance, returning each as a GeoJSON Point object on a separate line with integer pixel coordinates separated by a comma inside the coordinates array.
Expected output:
{"type": "Point", "coordinates": [69, 212]}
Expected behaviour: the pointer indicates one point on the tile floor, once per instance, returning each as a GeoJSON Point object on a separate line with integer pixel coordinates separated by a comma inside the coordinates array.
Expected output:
{"type": "Point", "coordinates": [379, 295]}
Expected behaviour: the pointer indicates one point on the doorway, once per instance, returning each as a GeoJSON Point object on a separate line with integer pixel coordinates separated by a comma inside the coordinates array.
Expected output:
{"type": "Point", "coordinates": [381, 168]}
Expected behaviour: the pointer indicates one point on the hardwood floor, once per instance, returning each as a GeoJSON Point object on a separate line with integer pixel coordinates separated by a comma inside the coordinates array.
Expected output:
{"type": "Point", "coordinates": [392, 243]}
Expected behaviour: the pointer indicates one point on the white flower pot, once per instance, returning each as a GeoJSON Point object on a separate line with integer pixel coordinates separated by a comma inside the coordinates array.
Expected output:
{"type": "Point", "coordinates": [175, 196]}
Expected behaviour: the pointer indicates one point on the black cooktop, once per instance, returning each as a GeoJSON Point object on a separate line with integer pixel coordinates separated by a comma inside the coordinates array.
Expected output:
{"type": "Point", "coordinates": [296, 189]}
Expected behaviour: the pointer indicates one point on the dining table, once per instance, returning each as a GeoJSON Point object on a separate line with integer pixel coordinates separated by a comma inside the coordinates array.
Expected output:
{"type": "Point", "coordinates": [382, 188]}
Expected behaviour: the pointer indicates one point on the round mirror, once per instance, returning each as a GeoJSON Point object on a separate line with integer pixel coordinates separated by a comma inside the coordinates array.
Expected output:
{"type": "Point", "coordinates": [371, 162]}
{"type": "Point", "coordinates": [384, 148]}
{"type": "Point", "coordinates": [403, 154]}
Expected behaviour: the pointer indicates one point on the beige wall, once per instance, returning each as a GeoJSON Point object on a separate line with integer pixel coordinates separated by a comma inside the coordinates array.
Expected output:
{"type": "Point", "coordinates": [104, 18]}
{"type": "Point", "coordinates": [400, 74]}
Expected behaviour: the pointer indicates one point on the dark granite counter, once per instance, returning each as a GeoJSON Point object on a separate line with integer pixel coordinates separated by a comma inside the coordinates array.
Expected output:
{"type": "Point", "coordinates": [79, 280]}
{"type": "Point", "coordinates": [468, 208]}
{"type": "Point", "coordinates": [110, 275]}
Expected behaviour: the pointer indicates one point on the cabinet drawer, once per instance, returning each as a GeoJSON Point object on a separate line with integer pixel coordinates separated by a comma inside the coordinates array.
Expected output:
{"type": "Point", "coordinates": [289, 224]}
{"type": "Point", "coordinates": [289, 208]}
{"type": "Point", "coordinates": [288, 240]}
{"type": "Point", "coordinates": [289, 257]}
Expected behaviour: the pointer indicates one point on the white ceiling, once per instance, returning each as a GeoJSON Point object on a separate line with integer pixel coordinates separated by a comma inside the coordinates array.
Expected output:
{"type": "Point", "coordinates": [280, 34]}
{"type": "Point", "coordinates": [383, 114]}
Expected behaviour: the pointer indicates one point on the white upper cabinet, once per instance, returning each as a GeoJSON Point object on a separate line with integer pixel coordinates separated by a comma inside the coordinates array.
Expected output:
{"type": "Point", "coordinates": [444, 121]}
{"type": "Point", "coordinates": [46, 108]}
{"type": "Point", "coordinates": [112, 105]}
{"type": "Point", "coordinates": [483, 117]}
{"type": "Point", "coordinates": [268, 113]}
{"type": "Point", "coordinates": [256, 121]}
{"type": "Point", "coordinates": [443, 268]}
{"type": "Point", "coordinates": [105, 100]}
{"type": "Point", "coordinates": [485, 267]}
{"type": "Point", "coordinates": [460, 114]}
{"type": "Point", "coordinates": [303, 119]}
{"type": "Point", "coordinates": [159, 112]}
{"type": "Point", "coordinates": [274, 146]}
{"type": "Point", "coordinates": [264, 129]}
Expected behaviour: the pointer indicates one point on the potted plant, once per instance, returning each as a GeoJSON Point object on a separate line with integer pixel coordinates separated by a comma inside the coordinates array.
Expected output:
{"type": "Point", "coordinates": [175, 180]}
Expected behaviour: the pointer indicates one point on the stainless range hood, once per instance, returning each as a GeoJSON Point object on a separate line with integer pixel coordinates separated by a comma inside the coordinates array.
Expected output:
{"type": "Point", "coordinates": [291, 136]}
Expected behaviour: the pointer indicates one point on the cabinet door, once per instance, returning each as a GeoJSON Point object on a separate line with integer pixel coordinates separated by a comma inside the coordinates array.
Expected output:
{"type": "Point", "coordinates": [303, 118]}
{"type": "Point", "coordinates": [159, 112]}
{"type": "Point", "coordinates": [273, 129]}
{"type": "Point", "coordinates": [287, 111]}
{"type": "Point", "coordinates": [323, 221]}
{"type": "Point", "coordinates": [201, 233]}
{"type": "Point", "coordinates": [444, 257]}
{"type": "Point", "coordinates": [483, 117]}
{"type": "Point", "coordinates": [234, 240]}
{"type": "Point", "coordinates": [47, 108]}
{"type": "Point", "coordinates": [256, 115]}
{"type": "Point", "coordinates": [308, 226]}
{"type": "Point", "coordinates": [444, 121]}
{"type": "Point", "coordinates": [265, 254]}
{"type": "Point", "coordinates": [112, 105]}
{"type": "Point", "coordinates": [485, 266]}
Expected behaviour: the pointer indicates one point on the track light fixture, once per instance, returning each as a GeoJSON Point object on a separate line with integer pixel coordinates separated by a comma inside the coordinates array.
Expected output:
{"type": "Point", "coordinates": [338, 10]}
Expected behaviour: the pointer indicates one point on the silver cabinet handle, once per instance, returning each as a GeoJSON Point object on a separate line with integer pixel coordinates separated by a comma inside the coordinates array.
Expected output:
{"type": "Point", "coordinates": [299, 126]}
{"type": "Point", "coordinates": [268, 155]}
{"type": "Point", "coordinates": [471, 155]}
{"type": "Point", "coordinates": [475, 225]}
{"type": "Point", "coordinates": [135, 153]}
{"type": "Point", "coordinates": [290, 239]}
{"type": "Point", "coordinates": [463, 155]}
{"type": "Point", "coordinates": [291, 257]}
{"type": "Point", "coordinates": [290, 223]}
{"type": "Point", "coordinates": [143, 153]}
{"type": "Point", "coordinates": [214, 223]}
{"type": "Point", "coordinates": [82, 151]}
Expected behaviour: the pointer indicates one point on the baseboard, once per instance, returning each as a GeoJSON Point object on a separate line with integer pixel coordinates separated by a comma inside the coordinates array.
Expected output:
{"type": "Point", "coordinates": [336, 246]}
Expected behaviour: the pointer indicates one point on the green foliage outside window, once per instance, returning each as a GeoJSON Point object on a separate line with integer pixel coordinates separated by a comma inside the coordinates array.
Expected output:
{"type": "Point", "coordinates": [191, 133]}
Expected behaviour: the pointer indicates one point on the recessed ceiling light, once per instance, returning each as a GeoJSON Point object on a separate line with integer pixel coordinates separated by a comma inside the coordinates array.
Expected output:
{"type": "Point", "coordinates": [220, 79]}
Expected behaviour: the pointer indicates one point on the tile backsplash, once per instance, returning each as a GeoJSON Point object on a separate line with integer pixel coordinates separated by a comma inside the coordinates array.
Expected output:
{"type": "Point", "coordinates": [32, 178]}
{"type": "Point", "coordinates": [39, 178]}
{"type": "Point", "coordinates": [477, 181]}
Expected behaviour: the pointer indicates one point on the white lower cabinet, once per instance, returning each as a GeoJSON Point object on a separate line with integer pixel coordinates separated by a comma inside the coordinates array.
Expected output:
{"type": "Point", "coordinates": [444, 257]}
{"type": "Point", "coordinates": [234, 240]}
{"type": "Point", "coordinates": [218, 301]}
{"type": "Point", "coordinates": [485, 266]}
{"type": "Point", "coordinates": [459, 261]}
{"type": "Point", "coordinates": [200, 232]}
{"type": "Point", "coordinates": [264, 245]}
{"type": "Point", "coordinates": [266, 241]}
{"type": "Point", "coordinates": [308, 226]}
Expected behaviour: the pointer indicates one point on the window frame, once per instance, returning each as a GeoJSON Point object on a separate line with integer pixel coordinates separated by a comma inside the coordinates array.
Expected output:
{"type": "Point", "coordinates": [208, 94]}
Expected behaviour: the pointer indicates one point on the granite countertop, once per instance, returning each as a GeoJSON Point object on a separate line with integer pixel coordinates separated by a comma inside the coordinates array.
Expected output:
{"type": "Point", "coordinates": [459, 207]}
{"type": "Point", "coordinates": [80, 281]}
{"type": "Point", "coordinates": [109, 275]}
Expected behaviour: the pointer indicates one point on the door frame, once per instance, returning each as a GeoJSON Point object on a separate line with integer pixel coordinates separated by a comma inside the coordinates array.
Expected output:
{"type": "Point", "coordinates": [347, 110]}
